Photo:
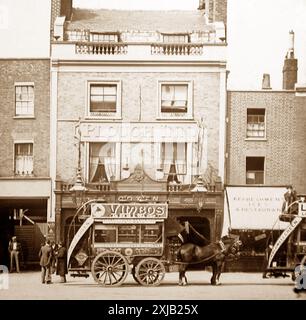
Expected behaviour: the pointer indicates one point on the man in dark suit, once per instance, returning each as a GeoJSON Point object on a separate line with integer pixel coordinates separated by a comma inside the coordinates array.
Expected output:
{"type": "Point", "coordinates": [45, 255]}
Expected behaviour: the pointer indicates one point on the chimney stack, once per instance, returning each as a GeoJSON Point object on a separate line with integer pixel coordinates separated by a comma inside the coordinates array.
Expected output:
{"type": "Point", "coordinates": [290, 67]}
{"type": "Point", "coordinates": [266, 82]}
{"type": "Point", "coordinates": [201, 5]}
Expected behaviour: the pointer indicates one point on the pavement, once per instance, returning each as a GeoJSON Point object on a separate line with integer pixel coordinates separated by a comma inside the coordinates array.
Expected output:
{"type": "Point", "coordinates": [234, 286]}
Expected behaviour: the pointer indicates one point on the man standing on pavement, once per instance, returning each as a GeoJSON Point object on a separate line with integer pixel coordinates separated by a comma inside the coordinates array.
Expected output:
{"type": "Point", "coordinates": [45, 255]}
{"type": "Point", "coordinates": [61, 267]}
{"type": "Point", "coordinates": [14, 250]}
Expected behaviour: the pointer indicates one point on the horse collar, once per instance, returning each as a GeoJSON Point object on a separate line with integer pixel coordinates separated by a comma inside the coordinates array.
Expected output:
{"type": "Point", "coordinates": [222, 246]}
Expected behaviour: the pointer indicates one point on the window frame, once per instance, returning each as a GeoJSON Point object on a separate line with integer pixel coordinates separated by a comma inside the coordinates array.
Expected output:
{"type": "Point", "coordinates": [176, 115]}
{"type": "Point", "coordinates": [103, 34]}
{"type": "Point", "coordinates": [263, 171]}
{"type": "Point", "coordinates": [26, 115]}
{"type": "Point", "coordinates": [16, 142]}
{"type": "Point", "coordinates": [169, 35]}
{"type": "Point", "coordinates": [105, 115]}
{"type": "Point", "coordinates": [265, 125]}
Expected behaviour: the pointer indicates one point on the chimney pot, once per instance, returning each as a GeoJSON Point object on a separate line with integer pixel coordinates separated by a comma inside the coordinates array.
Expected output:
{"type": "Point", "coordinates": [266, 81]}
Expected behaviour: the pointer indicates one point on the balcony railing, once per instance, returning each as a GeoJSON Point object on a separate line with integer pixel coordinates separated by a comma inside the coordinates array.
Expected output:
{"type": "Point", "coordinates": [99, 48]}
{"type": "Point", "coordinates": [176, 49]}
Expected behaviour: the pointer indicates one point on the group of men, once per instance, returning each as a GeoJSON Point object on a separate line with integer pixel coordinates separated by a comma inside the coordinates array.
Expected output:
{"type": "Point", "coordinates": [49, 256]}
{"type": "Point", "coordinates": [52, 257]}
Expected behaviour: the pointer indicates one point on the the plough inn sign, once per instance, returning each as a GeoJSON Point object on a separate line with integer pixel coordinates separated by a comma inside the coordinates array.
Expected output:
{"type": "Point", "coordinates": [129, 211]}
{"type": "Point", "coordinates": [136, 132]}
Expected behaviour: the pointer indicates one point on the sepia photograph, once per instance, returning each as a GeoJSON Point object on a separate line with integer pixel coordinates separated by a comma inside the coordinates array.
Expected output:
{"type": "Point", "coordinates": [153, 151]}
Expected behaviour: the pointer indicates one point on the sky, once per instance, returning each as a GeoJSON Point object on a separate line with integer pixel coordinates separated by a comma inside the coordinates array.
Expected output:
{"type": "Point", "coordinates": [258, 33]}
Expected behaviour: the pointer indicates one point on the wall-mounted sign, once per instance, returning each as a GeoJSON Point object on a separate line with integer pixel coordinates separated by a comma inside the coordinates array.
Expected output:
{"type": "Point", "coordinates": [139, 132]}
{"type": "Point", "coordinates": [133, 198]}
{"type": "Point", "coordinates": [255, 207]}
{"type": "Point", "coordinates": [130, 210]}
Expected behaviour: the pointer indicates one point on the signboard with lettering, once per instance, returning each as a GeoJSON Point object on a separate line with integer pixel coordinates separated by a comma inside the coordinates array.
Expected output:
{"type": "Point", "coordinates": [129, 210]}
{"type": "Point", "coordinates": [255, 207]}
{"type": "Point", "coordinates": [291, 227]}
{"type": "Point", "coordinates": [139, 132]}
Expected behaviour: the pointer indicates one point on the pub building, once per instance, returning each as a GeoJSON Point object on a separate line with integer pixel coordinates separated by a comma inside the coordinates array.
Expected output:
{"type": "Point", "coordinates": [138, 105]}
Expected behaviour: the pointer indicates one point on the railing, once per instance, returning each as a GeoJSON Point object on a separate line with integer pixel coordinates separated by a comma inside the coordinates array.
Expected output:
{"type": "Point", "coordinates": [99, 48]}
{"type": "Point", "coordinates": [91, 186]}
{"type": "Point", "coordinates": [176, 49]}
{"type": "Point", "coordinates": [174, 187]}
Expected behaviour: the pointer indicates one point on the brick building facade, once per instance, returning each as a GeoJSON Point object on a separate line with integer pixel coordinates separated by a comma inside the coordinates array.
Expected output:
{"type": "Point", "coordinates": [265, 151]}
{"type": "Point", "coordinates": [25, 183]}
{"type": "Point", "coordinates": [145, 103]}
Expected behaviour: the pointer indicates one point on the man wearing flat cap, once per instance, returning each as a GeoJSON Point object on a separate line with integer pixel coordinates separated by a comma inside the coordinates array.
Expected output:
{"type": "Point", "coordinates": [14, 250]}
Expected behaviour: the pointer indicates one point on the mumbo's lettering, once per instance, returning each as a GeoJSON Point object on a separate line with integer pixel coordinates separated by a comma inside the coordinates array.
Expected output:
{"type": "Point", "coordinates": [120, 210]}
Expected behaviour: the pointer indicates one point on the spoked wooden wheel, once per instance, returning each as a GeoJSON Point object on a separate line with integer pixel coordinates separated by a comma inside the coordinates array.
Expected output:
{"type": "Point", "coordinates": [150, 272]}
{"type": "Point", "coordinates": [109, 268]}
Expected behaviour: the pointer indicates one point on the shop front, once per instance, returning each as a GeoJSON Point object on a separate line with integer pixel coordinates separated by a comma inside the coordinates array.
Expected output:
{"type": "Point", "coordinates": [139, 189]}
{"type": "Point", "coordinates": [25, 213]}
{"type": "Point", "coordinates": [253, 214]}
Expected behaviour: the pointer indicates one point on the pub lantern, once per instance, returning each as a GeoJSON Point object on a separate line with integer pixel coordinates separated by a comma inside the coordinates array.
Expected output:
{"type": "Point", "coordinates": [199, 192]}
{"type": "Point", "coordinates": [78, 190]}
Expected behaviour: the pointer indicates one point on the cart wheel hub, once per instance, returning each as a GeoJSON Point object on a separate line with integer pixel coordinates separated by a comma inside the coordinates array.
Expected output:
{"type": "Point", "coordinates": [150, 272]}
{"type": "Point", "coordinates": [109, 269]}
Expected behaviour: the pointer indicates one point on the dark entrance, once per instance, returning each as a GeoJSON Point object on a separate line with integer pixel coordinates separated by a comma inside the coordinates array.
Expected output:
{"type": "Point", "coordinates": [199, 223]}
{"type": "Point", "coordinates": [6, 232]}
{"type": "Point", "coordinates": [26, 219]}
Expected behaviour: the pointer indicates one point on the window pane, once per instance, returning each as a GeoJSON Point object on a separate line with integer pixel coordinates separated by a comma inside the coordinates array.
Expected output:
{"type": "Point", "coordinates": [103, 98]}
{"type": "Point", "coordinates": [174, 98]}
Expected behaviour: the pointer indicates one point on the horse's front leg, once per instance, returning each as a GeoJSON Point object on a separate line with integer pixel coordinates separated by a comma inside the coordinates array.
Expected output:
{"type": "Point", "coordinates": [220, 265]}
{"type": "Point", "coordinates": [213, 279]}
{"type": "Point", "coordinates": [182, 275]}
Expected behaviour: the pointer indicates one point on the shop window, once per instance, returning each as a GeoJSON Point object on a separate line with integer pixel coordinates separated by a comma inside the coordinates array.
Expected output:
{"type": "Point", "coordinates": [175, 100]}
{"type": "Point", "coordinates": [104, 100]}
{"type": "Point", "coordinates": [24, 100]}
{"type": "Point", "coordinates": [174, 161]}
{"type": "Point", "coordinates": [102, 162]}
{"type": "Point", "coordinates": [24, 159]}
{"type": "Point", "coordinates": [256, 123]}
{"type": "Point", "coordinates": [255, 170]}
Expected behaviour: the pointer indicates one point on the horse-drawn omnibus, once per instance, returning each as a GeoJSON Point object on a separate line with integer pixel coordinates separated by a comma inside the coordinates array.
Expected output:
{"type": "Point", "coordinates": [109, 240]}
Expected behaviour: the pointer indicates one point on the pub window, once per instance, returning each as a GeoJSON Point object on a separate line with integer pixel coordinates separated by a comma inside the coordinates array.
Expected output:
{"type": "Point", "coordinates": [24, 100]}
{"type": "Point", "coordinates": [104, 99]}
{"type": "Point", "coordinates": [175, 100]}
{"type": "Point", "coordinates": [23, 159]}
{"type": "Point", "coordinates": [174, 161]}
{"type": "Point", "coordinates": [255, 123]}
{"type": "Point", "coordinates": [255, 170]}
{"type": "Point", "coordinates": [102, 162]}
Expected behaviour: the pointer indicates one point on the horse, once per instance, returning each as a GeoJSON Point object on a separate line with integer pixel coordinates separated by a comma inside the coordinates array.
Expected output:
{"type": "Point", "coordinates": [212, 254]}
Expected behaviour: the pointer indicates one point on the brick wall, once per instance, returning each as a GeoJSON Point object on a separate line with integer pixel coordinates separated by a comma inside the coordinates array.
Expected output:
{"type": "Point", "coordinates": [285, 136]}
{"type": "Point", "coordinates": [36, 129]}
{"type": "Point", "coordinates": [299, 159]}
{"type": "Point", "coordinates": [72, 104]}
